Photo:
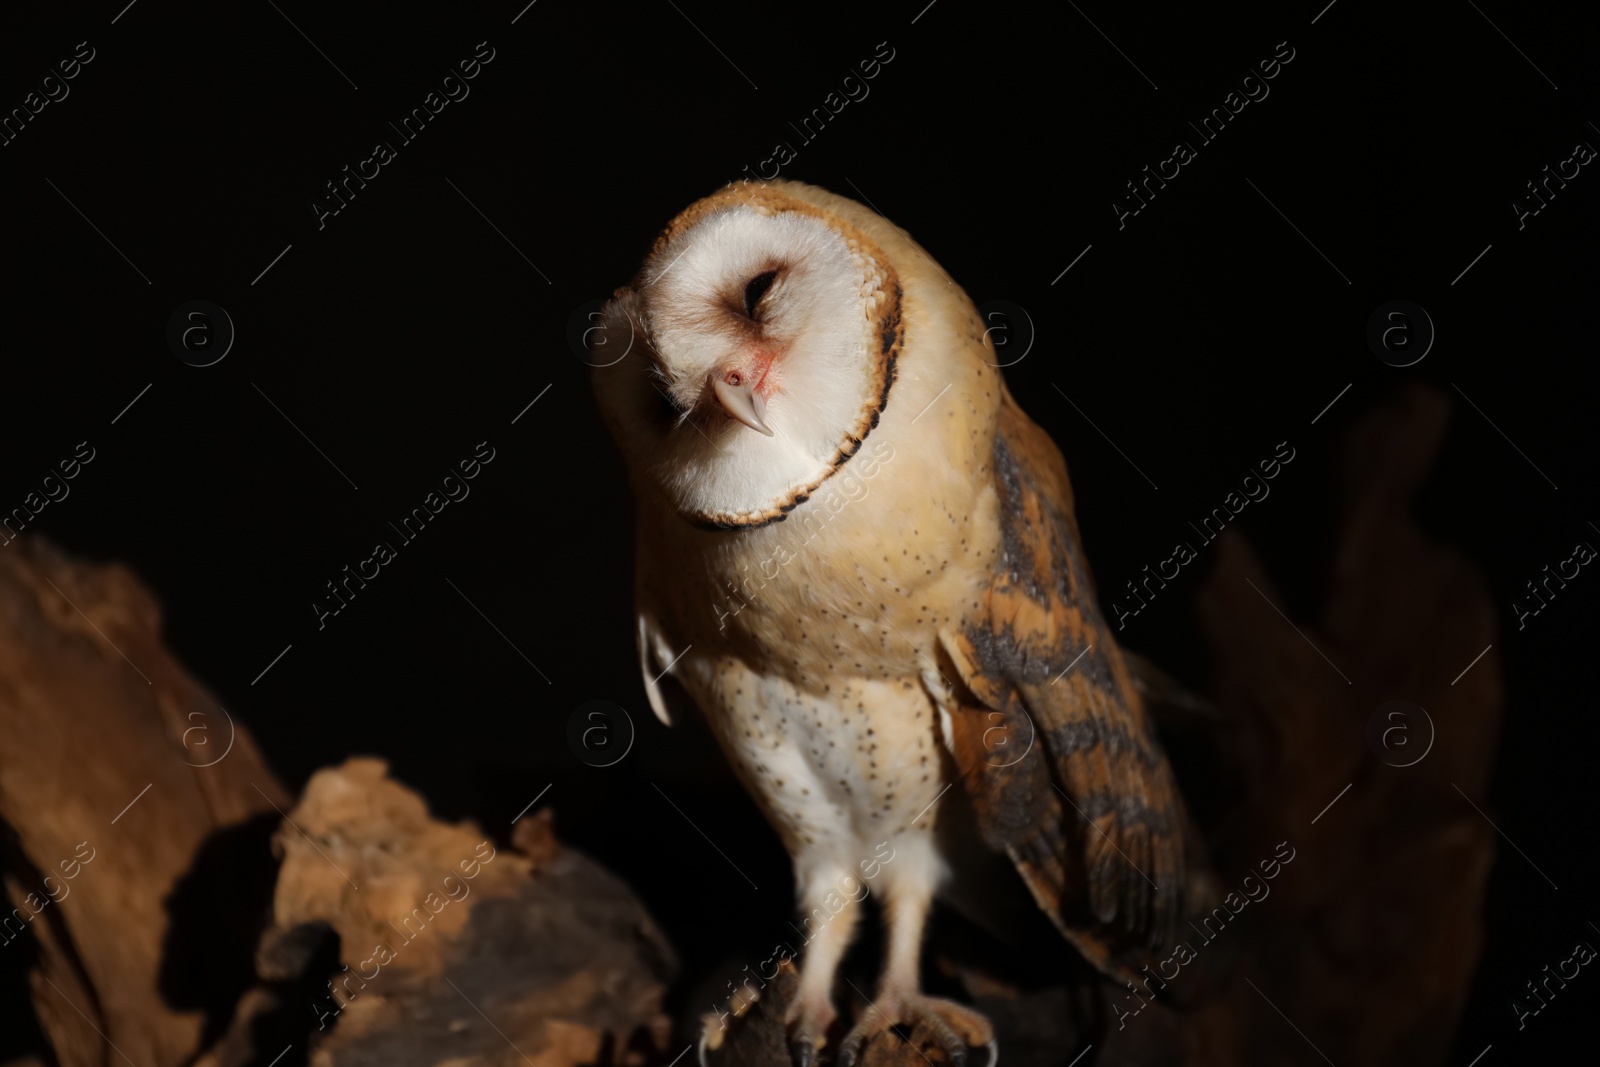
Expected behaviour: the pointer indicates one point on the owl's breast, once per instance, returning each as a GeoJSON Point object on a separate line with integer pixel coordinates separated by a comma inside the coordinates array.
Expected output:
{"type": "Point", "coordinates": [859, 762]}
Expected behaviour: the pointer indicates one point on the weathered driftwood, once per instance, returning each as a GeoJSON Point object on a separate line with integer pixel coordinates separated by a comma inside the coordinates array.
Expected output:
{"type": "Point", "coordinates": [445, 948]}
{"type": "Point", "coordinates": [1370, 939]}
{"type": "Point", "coordinates": [112, 778]}
{"type": "Point", "coordinates": [175, 906]}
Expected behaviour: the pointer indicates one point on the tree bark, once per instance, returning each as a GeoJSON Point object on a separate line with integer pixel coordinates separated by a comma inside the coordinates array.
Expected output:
{"type": "Point", "coordinates": [115, 767]}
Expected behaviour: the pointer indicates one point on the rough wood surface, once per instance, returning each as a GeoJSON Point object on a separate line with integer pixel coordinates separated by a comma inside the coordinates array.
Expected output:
{"type": "Point", "coordinates": [95, 716]}
{"type": "Point", "coordinates": [1370, 940]}
{"type": "Point", "coordinates": [446, 949]}
{"type": "Point", "coordinates": [129, 796]}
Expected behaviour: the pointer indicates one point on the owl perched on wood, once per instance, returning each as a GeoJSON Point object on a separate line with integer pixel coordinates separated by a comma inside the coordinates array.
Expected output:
{"type": "Point", "coordinates": [859, 558]}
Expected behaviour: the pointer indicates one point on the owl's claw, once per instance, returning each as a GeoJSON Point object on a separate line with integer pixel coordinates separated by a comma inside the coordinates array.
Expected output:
{"type": "Point", "coordinates": [855, 1042]}
{"type": "Point", "coordinates": [954, 1029]}
{"type": "Point", "coordinates": [803, 1051]}
{"type": "Point", "coordinates": [808, 1024]}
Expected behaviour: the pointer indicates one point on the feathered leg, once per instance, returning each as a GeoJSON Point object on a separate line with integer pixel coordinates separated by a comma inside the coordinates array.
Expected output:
{"type": "Point", "coordinates": [828, 935]}
{"type": "Point", "coordinates": [956, 1028]}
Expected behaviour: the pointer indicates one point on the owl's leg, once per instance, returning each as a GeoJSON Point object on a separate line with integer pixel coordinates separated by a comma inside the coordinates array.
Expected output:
{"type": "Point", "coordinates": [828, 934]}
{"type": "Point", "coordinates": [900, 1000]}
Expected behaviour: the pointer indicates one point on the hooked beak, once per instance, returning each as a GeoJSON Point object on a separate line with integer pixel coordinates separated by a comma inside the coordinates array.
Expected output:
{"type": "Point", "coordinates": [741, 401]}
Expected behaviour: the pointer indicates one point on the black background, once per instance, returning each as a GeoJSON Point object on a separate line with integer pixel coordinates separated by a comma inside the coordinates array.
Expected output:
{"type": "Point", "coordinates": [408, 330]}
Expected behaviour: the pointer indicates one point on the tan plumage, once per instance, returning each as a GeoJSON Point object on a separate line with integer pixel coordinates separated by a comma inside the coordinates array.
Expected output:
{"type": "Point", "coordinates": [872, 601]}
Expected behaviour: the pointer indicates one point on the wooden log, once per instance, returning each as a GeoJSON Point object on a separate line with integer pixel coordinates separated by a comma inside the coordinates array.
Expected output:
{"type": "Point", "coordinates": [116, 767]}
{"type": "Point", "coordinates": [1370, 940]}
{"type": "Point", "coordinates": [449, 950]}
{"type": "Point", "coordinates": [140, 825]}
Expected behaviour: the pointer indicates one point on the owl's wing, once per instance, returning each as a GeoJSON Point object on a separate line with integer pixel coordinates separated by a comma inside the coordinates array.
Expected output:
{"type": "Point", "coordinates": [1050, 736]}
{"type": "Point", "coordinates": [659, 662]}
{"type": "Point", "coordinates": [654, 658]}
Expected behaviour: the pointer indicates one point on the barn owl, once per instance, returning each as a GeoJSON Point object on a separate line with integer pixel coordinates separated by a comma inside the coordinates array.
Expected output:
{"type": "Point", "coordinates": [858, 557]}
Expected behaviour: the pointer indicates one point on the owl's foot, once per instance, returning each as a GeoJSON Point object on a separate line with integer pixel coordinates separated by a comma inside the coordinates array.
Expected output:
{"type": "Point", "coordinates": [951, 1027]}
{"type": "Point", "coordinates": [807, 1021]}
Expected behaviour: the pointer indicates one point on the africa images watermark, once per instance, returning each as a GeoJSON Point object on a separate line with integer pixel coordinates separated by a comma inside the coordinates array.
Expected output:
{"type": "Point", "coordinates": [54, 88]}
{"type": "Point", "coordinates": [1582, 154]}
{"type": "Point", "coordinates": [838, 493]}
{"type": "Point", "coordinates": [1582, 953]}
{"type": "Point", "coordinates": [1183, 953]}
{"type": "Point", "coordinates": [1210, 128]}
{"type": "Point", "coordinates": [830, 905]}
{"type": "Point", "coordinates": [55, 489]}
{"type": "Point", "coordinates": [418, 918]}
{"type": "Point", "coordinates": [854, 89]}
{"type": "Point", "coordinates": [1582, 554]}
{"type": "Point", "coordinates": [70, 869]}
{"type": "Point", "coordinates": [454, 89]}
{"type": "Point", "coordinates": [410, 528]}
{"type": "Point", "coordinates": [1252, 487]}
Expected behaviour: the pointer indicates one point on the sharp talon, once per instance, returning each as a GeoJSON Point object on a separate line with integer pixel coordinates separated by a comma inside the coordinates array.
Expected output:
{"type": "Point", "coordinates": [861, 1034]}
{"type": "Point", "coordinates": [956, 1029]}
{"type": "Point", "coordinates": [806, 1022]}
{"type": "Point", "coordinates": [955, 1049]}
{"type": "Point", "coordinates": [702, 1052]}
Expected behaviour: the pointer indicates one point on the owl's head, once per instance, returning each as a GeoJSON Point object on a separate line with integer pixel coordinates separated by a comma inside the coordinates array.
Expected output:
{"type": "Point", "coordinates": [760, 339]}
